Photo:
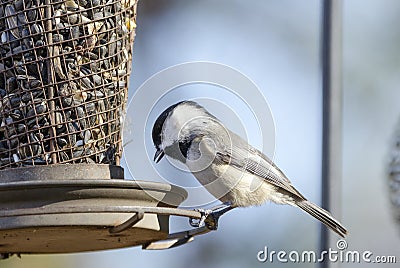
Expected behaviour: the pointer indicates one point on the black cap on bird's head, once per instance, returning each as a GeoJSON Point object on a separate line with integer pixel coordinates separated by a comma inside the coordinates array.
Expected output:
{"type": "Point", "coordinates": [157, 131]}
{"type": "Point", "coordinates": [189, 109]}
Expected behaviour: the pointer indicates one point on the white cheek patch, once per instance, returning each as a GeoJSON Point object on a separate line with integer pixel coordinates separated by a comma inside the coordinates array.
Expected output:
{"type": "Point", "coordinates": [182, 120]}
{"type": "Point", "coordinates": [169, 134]}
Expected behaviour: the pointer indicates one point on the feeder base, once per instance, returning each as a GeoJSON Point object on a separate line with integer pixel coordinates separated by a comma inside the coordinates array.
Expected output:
{"type": "Point", "coordinates": [65, 216]}
{"type": "Point", "coordinates": [73, 239]}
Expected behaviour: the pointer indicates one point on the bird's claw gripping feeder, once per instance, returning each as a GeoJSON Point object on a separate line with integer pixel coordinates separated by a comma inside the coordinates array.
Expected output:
{"type": "Point", "coordinates": [64, 72]}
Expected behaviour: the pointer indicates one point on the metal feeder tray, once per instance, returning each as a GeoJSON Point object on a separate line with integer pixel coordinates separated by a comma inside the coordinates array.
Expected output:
{"type": "Point", "coordinates": [66, 209]}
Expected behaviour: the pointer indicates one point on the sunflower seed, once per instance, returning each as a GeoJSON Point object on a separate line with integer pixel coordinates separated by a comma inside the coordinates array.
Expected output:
{"type": "Point", "coordinates": [11, 20]}
{"type": "Point", "coordinates": [79, 143]}
{"type": "Point", "coordinates": [31, 14]}
{"type": "Point", "coordinates": [16, 158]}
{"type": "Point", "coordinates": [63, 156]}
{"type": "Point", "coordinates": [62, 142]}
{"type": "Point", "coordinates": [59, 119]}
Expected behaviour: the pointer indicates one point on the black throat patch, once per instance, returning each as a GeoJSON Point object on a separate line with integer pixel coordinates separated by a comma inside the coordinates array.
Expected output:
{"type": "Point", "coordinates": [184, 145]}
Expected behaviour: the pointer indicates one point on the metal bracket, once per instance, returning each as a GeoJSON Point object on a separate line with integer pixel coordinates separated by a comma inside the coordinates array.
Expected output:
{"type": "Point", "coordinates": [209, 219]}
{"type": "Point", "coordinates": [175, 239]}
{"type": "Point", "coordinates": [138, 216]}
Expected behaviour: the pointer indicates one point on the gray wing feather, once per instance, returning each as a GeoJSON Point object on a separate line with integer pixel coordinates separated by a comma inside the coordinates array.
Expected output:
{"type": "Point", "coordinates": [251, 160]}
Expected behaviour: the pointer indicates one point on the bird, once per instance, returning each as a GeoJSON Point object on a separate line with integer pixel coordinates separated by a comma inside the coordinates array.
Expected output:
{"type": "Point", "coordinates": [232, 170]}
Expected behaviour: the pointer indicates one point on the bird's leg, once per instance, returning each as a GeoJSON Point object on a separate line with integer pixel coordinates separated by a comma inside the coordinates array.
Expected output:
{"type": "Point", "coordinates": [211, 216]}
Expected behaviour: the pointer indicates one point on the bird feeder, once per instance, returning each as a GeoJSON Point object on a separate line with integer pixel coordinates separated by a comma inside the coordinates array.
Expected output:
{"type": "Point", "coordinates": [64, 72]}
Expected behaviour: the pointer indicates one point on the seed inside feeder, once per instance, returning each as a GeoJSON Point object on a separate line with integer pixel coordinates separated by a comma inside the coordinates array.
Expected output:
{"type": "Point", "coordinates": [64, 72]}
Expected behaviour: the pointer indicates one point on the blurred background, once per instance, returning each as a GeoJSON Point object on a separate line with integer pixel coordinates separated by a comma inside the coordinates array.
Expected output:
{"type": "Point", "coordinates": [277, 45]}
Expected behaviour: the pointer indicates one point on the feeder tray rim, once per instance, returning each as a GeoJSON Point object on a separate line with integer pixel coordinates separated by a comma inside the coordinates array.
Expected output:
{"type": "Point", "coordinates": [100, 209]}
{"type": "Point", "coordinates": [110, 183]}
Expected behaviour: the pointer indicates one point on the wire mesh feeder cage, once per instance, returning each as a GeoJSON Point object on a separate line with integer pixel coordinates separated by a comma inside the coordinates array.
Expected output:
{"type": "Point", "coordinates": [394, 174]}
{"type": "Point", "coordinates": [64, 72]}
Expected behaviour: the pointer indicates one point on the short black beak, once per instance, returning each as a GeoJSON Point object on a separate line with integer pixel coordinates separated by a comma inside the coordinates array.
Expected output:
{"type": "Point", "coordinates": [158, 155]}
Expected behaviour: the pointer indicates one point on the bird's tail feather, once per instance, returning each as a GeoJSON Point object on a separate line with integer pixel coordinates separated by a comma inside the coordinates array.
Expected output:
{"type": "Point", "coordinates": [322, 215]}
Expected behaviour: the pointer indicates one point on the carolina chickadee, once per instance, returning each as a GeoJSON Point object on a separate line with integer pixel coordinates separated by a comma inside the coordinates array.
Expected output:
{"type": "Point", "coordinates": [225, 164]}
